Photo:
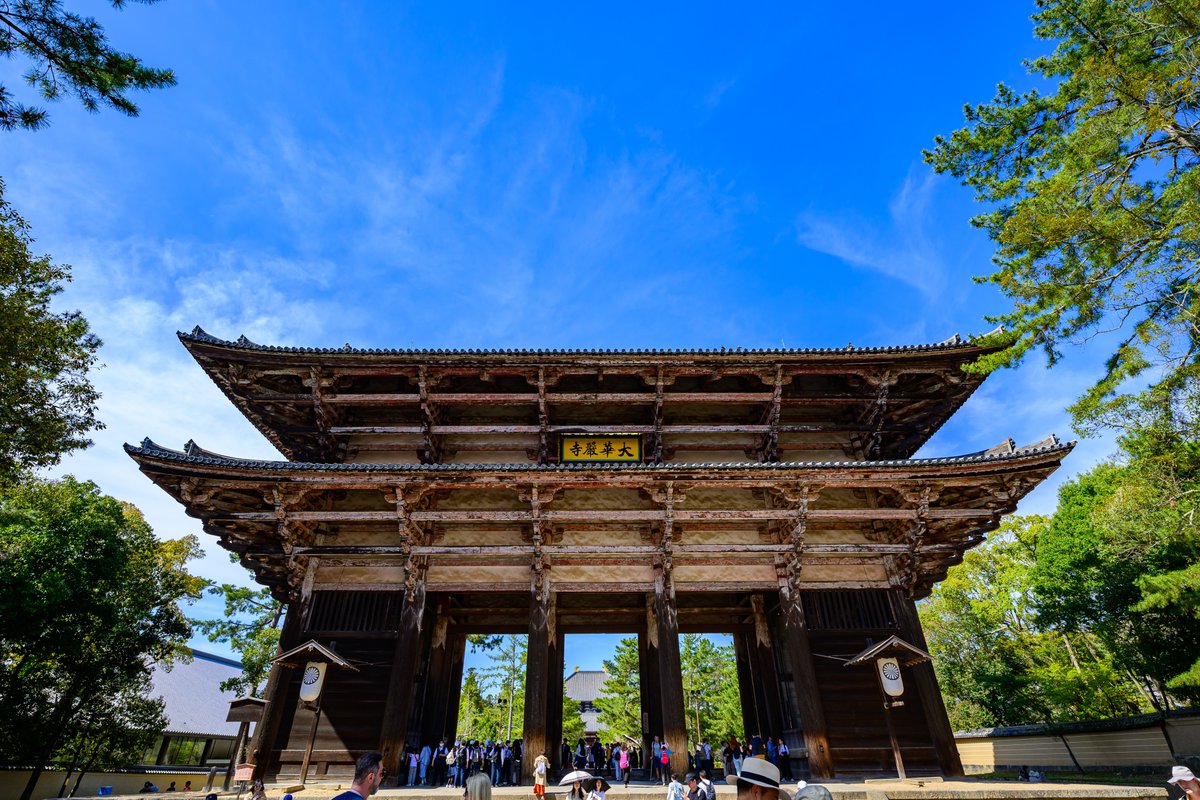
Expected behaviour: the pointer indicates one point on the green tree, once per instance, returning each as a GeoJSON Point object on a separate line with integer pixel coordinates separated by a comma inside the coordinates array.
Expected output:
{"type": "Point", "coordinates": [998, 663]}
{"type": "Point", "coordinates": [68, 53]}
{"type": "Point", "coordinates": [572, 726]}
{"type": "Point", "coordinates": [706, 668]}
{"type": "Point", "coordinates": [505, 678]}
{"type": "Point", "coordinates": [91, 600]}
{"type": "Point", "coordinates": [251, 627]}
{"type": "Point", "coordinates": [478, 716]}
{"type": "Point", "coordinates": [1094, 196]}
{"type": "Point", "coordinates": [112, 733]}
{"type": "Point", "coordinates": [620, 700]}
{"type": "Point", "coordinates": [1089, 576]}
{"type": "Point", "coordinates": [47, 404]}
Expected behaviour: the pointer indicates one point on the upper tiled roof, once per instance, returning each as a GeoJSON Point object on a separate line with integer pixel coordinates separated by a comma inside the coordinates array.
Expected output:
{"type": "Point", "coordinates": [191, 692]}
{"type": "Point", "coordinates": [956, 342]}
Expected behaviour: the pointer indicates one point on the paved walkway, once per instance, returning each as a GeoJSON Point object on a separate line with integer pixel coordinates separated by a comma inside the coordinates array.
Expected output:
{"type": "Point", "coordinates": [913, 789]}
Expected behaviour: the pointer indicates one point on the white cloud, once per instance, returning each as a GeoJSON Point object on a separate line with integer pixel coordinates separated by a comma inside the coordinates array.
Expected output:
{"type": "Point", "coordinates": [904, 250]}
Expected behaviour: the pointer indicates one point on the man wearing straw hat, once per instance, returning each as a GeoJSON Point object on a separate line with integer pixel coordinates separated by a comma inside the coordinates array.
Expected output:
{"type": "Point", "coordinates": [759, 780]}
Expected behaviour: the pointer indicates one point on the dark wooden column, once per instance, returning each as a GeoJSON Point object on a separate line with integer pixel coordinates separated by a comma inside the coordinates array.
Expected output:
{"type": "Point", "coordinates": [438, 675]}
{"type": "Point", "coordinates": [457, 647]}
{"type": "Point", "coordinates": [932, 704]}
{"type": "Point", "coordinates": [537, 673]}
{"type": "Point", "coordinates": [746, 681]}
{"type": "Point", "coordinates": [770, 715]}
{"type": "Point", "coordinates": [262, 744]}
{"type": "Point", "coordinates": [808, 694]}
{"type": "Point", "coordinates": [670, 672]}
{"type": "Point", "coordinates": [648, 673]}
{"type": "Point", "coordinates": [554, 702]}
{"type": "Point", "coordinates": [400, 687]}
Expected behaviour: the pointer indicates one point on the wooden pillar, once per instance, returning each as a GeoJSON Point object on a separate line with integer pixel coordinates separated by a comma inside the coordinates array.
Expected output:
{"type": "Point", "coordinates": [770, 715]}
{"type": "Point", "coordinates": [932, 705]}
{"type": "Point", "coordinates": [400, 686]}
{"type": "Point", "coordinates": [648, 674]}
{"type": "Point", "coordinates": [808, 694]}
{"type": "Point", "coordinates": [262, 744]}
{"type": "Point", "coordinates": [554, 702]}
{"type": "Point", "coordinates": [438, 676]}
{"type": "Point", "coordinates": [457, 648]}
{"type": "Point", "coordinates": [670, 671]}
{"type": "Point", "coordinates": [537, 674]}
{"type": "Point", "coordinates": [746, 682]}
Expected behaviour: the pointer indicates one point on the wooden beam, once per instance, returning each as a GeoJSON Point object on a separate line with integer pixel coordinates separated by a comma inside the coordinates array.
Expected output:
{"type": "Point", "coordinates": [610, 515]}
{"type": "Point", "coordinates": [669, 670]}
{"type": "Point", "coordinates": [804, 678]}
{"type": "Point", "coordinates": [262, 744]}
{"type": "Point", "coordinates": [537, 676]}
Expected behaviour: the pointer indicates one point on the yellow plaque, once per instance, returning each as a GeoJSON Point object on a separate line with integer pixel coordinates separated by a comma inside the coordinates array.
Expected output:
{"type": "Point", "coordinates": [582, 447]}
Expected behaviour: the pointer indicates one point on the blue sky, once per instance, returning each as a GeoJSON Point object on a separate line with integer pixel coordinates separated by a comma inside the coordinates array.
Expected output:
{"type": "Point", "coordinates": [461, 175]}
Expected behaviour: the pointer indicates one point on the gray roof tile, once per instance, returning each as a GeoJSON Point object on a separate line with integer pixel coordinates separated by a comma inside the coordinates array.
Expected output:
{"type": "Point", "coordinates": [195, 704]}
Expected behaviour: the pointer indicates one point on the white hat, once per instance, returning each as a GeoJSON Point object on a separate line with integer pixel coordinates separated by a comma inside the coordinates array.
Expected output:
{"type": "Point", "coordinates": [760, 772]}
{"type": "Point", "coordinates": [1181, 774]}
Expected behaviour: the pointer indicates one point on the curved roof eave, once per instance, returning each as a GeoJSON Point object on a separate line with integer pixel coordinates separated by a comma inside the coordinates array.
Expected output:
{"type": "Point", "coordinates": [196, 456]}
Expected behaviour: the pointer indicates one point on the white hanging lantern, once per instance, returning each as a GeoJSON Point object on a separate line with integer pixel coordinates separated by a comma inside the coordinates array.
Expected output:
{"type": "Point", "coordinates": [889, 676]}
{"type": "Point", "coordinates": [312, 680]}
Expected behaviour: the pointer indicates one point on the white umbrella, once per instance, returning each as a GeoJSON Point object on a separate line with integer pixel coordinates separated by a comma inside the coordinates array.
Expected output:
{"type": "Point", "coordinates": [577, 775]}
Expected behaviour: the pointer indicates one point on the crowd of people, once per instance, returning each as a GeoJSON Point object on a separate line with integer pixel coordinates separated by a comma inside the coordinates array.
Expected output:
{"type": "Point", "coordinates": [451, 764]}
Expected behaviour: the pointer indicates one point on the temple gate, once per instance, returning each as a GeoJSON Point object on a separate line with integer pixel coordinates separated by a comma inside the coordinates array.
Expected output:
{"type": "Point", "coordinates": [428, 495]}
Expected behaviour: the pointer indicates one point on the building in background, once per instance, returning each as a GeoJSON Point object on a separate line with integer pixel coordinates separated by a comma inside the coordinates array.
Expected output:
{"type": "Point", "coordinates": [197, 734]}
{"type": "Point", "coordinates": [584, 686]}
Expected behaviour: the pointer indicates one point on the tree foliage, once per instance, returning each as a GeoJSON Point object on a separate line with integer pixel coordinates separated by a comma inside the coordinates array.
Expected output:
{"type": "Point", "coordinates": [91, 601]}
{"type": "Point", "coordinates": [113, 732]}
{"type": "Point", "coordinates": [68, 54]}
{"type": "Point", "coordinates": [47, 404]}
{"type": "Point", "coordinates": [998, 661]}
{"type": "Point", "coordinates": [620, 700]}
{"type": "Point", "coordinates": [251, 628]}
{"type": "Point", "coordinates": [492, 702]}
{"type": "Point", "coordinates": [1093, 190]}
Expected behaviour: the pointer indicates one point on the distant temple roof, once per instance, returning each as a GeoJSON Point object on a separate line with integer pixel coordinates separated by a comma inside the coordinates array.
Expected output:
{"type": "Point", "coordinates": [191, 693]}
{"type": "Point", "coordinates": [585, 685]}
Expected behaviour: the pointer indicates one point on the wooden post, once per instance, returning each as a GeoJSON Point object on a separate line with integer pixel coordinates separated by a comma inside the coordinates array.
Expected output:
{"type": "Point", "coordinates": [400, 687]}
{"type": "Point", "coordinates": [436, 697]}
{"type": "Point", "coordinates": [554, 701]}
{"type": "Point", "coordinates": [932, 705]}
{"type": "Point", "coordinates": [537, 674]}
{"type": "Point", "coordinates": [312, 738]}
{"type": "Point", "coordinates": [804, 677]}
{"type": "Point", "coordinates": [746, 682]}
{"type": "Point", "coordinates": [262, 744]}
{"type": "Point", "coordinates": [458, 649]}
{"type": "Point", "coordinates": [770, 715]}
{"type": "Point", "coordinates": [891, 727]}
{"type": "Point", "coordinates": [670, 672]}
{"type": "Point", "coordinates": [235, 757]}
{"type": "Point", "coordinates": [648, 673]}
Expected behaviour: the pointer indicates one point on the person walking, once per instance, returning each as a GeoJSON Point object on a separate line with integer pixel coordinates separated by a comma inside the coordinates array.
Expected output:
{"type": "Point", "coordinates": [665, 760]}
{"type": "Point", "coordinates": [655, 763]}
{"type": "Point", "coordinates": [452, 765]}
{"type": "Point", "coordinates": [623, 768]}
{"type": "Point", "coordinates": [426, 759]}
{"type": "Point", "coordinates": [541, 772]}
{"type": "Point", "coordinates": [675, 789]}
{"type": "Point", "coordinates": [783, 760]}
{"type": "Point", "coordinates": [413, 765]}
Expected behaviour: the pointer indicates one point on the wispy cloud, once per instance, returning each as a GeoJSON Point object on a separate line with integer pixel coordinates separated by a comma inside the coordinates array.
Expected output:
{"type": "Point", "coordinates": [903, 249]}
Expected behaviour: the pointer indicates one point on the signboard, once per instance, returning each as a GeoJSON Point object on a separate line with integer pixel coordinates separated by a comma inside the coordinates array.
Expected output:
{"type": "Point", "coordinates": [889, 676]}
{"type": "Point", "coordinates": [598, 447]}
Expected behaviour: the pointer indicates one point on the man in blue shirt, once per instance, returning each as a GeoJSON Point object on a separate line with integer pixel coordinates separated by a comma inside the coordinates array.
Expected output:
{"type": "Point", "coordinates": [368, 774]}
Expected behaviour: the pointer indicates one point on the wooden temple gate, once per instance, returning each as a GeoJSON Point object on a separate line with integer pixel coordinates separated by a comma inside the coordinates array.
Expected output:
{"type": "Point", "coordinates": [428, 495]}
